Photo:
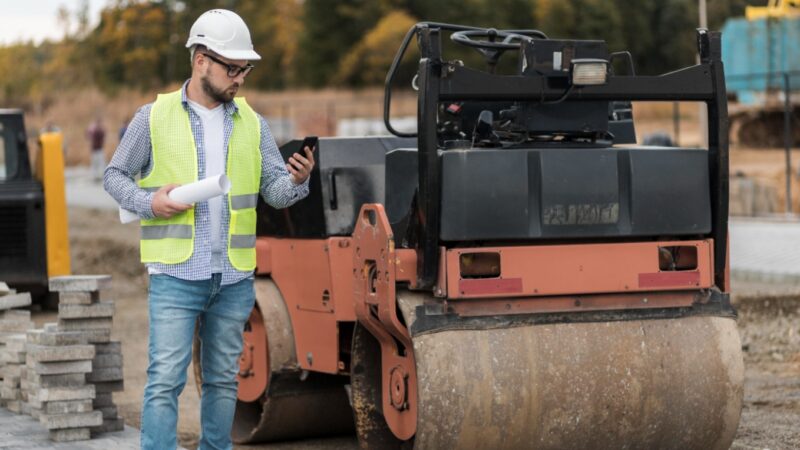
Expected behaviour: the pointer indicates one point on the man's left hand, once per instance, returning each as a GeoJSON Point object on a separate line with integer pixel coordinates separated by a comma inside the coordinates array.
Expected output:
{"type": "Point", "coordinates": [300, 166]}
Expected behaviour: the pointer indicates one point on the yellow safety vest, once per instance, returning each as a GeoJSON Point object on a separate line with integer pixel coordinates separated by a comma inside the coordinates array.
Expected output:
{"type": "Point", "coordinates": [171, 241]}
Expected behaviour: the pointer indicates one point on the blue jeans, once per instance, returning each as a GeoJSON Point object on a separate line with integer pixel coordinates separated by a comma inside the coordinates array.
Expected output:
{"type": "Point", "coordinates": [174, 306]}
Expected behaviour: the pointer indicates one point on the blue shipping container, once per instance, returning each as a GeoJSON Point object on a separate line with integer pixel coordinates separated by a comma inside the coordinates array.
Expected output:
{"type": "Point", "coordinates": [756, 54]}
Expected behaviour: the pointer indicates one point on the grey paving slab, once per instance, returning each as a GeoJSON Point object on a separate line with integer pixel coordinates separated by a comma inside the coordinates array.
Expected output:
{"type": "Point", "coordinates": [24, 432]}
{"type": "Point", "coordinates": [78, 298]}
{"type": "Point", "coordinates": [100, 309]}
{"type": "Point", "coordinates": [80, 283]}
{"type": "Point", "coordinates": [766, 250]}
{"type": "Point", "coordinates": [15, 300]}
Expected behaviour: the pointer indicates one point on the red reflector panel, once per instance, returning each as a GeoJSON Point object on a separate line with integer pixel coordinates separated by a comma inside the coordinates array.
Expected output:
{"type": "Point", "coordinates": [490, 286]}
{"type": "Point", "coordinates": [669, 279]}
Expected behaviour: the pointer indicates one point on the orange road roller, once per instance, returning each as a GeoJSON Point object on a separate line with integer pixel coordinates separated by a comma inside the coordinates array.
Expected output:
{"type": "Point", "coordinates": [517, 273]}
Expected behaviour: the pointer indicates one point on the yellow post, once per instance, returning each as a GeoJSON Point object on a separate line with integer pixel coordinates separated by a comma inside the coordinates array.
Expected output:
{"type": "Point", "coordinates": [50, 171]}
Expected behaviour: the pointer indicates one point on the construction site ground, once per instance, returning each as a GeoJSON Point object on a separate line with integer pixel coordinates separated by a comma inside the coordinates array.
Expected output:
{"type": "Point", "coordinates": [25, 432]}
{"type": "Point", "coordinates": [769, 321]}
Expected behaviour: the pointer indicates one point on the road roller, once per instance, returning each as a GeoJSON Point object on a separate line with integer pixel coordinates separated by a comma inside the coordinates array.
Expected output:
{"type": "Point", "coordinates": [517, 273]}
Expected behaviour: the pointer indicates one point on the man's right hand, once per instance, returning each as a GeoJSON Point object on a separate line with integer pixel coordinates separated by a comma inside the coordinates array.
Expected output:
{"type": "Point", "coordinates": [165, 207]}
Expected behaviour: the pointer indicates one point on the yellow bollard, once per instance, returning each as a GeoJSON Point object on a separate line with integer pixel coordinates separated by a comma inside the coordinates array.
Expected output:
{"type": "Point", "coordinates": [50, 172]}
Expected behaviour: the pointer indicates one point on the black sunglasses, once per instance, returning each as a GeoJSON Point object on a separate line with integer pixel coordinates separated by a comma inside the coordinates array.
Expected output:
{"type": "Point", "coordinates": [233, 70]}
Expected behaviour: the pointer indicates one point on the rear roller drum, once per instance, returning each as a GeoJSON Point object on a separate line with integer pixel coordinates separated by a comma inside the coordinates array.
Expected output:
{"type": "Point", "coordinates": [274, 402]}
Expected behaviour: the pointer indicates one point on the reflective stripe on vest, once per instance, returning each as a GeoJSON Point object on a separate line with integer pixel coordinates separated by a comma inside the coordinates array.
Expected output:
{"type": "Point", "coordinates": [174, 159]}
{"type": "Point", "coordinates": [244, 201]}
{"type": "Point", "coordinates": [243, 241]}
{"type": "Point", "coordinates": [167, 231]}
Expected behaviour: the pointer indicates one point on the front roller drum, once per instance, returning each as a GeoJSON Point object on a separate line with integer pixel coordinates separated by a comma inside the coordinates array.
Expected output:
{"type": "Point", "coordinates": [665, 383]}
{"type": "Point", "coordinates": [672, 383]}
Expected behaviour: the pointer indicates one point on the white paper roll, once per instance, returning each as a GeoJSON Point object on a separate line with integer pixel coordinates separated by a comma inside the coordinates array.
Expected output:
{"type": "Point", "coordinates": [191, 193]}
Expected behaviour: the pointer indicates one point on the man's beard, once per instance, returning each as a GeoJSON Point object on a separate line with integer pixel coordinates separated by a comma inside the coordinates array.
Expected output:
{"type": "Point", "coordinates": [218, 95]}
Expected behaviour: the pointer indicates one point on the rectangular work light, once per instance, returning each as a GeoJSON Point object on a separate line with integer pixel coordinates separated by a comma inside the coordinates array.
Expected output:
{"type": "Point", "coordinates": [588, 72]}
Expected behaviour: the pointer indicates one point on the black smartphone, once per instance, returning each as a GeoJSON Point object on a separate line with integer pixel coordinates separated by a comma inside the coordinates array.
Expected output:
{"type": "Point", "coordinates": [310, 142]}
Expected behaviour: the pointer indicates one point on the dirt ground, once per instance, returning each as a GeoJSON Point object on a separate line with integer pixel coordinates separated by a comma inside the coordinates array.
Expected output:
{"type": "Point", "coordinates": [769, 320]}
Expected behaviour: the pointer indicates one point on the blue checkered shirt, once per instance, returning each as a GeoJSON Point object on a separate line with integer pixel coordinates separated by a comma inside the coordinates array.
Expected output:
{"type": "Point", "coordinates": [134, 157]}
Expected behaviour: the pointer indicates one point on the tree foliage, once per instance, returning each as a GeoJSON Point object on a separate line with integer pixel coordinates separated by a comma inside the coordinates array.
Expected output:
{"type": "Point", "coordinates": [140, 43]}
{"type": "Point", "coordinates": [367, 61]}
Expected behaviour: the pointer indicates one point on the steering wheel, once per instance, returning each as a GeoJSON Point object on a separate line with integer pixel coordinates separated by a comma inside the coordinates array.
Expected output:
{"type": "Point", "coordinates": [495, 42]}
{"type": "Point", "coordinates": [509, 39]}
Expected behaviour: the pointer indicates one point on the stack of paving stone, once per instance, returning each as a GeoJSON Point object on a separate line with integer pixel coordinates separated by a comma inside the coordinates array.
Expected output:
{"type": "Point", "coordinates": [58, 394]}
{"type": "Point", "coordinates": [82, 310]}
{"type": "Point", "coordinates": [13, 325]}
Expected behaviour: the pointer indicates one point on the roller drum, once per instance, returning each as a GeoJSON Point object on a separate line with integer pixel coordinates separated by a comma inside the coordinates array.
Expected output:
{"type": "Point", "coordinates": [294, 406]}
{"type": "Point", "coordinates": [669, 383]}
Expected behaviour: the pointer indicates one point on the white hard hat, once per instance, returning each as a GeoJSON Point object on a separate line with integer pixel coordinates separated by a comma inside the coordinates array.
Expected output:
{"type": "Point", "coordinates": [224, 33]}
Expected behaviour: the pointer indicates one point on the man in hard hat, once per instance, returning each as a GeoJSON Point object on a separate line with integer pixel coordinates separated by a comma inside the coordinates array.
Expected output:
{"type": "Point", "coordinates": [201, 257]}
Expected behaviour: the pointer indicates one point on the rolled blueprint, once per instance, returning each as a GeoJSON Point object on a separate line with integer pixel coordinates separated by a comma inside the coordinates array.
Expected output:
{"type": "Point", "coordinates": [191, 193]}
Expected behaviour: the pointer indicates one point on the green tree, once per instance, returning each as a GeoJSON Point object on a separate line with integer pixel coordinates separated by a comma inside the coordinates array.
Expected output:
{"type": "Point", "coordinates": [582, 19]}
{"type": "Point", "coordinates": [274, 28]}
{"type": "Point", "coordinates": [331, 28]}
{"type": "Point", "coordinates": [368, 60]}
{"type": "Point", "coordinates": [133, 40]}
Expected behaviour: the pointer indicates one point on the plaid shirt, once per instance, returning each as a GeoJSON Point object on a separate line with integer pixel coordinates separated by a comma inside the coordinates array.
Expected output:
{"type": "Point", "coordinates": [134, 157]}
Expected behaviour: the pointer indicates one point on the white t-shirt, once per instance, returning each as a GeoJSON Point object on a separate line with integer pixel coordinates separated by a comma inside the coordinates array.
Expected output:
{"type": "Point", "coordinates": [213, 121]}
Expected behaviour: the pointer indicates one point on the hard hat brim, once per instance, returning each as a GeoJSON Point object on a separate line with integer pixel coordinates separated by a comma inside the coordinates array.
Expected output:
{"type": "Point", "coordinates": [249, 55]}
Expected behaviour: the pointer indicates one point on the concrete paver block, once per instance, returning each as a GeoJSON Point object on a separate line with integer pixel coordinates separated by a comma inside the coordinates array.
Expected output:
{"type": "Point", "coordinates": [113, 347]}
{"type": "Point", "coordinates": [78, 283]}
{"type": "Point", "coordinates": [96, 336]}
{"type": "Point", "coordinates": [42, 353]}
{"type": "Point", "coordinates": [11, 381]}
{"type": "Point", "coordinates": [78, 298]}
{"type": "Point", "coordinates": [7, 393]}
{"type": "Point", "coordinates": [107, 361]}
{"type": "Point", "coordinates": [104, 374]}
{"type": "Point", "coordinates": [65, 379]}
{"type": "Point", "coordinates": [10, 357]}
{"type": "Point", "coordinates": [60, 421]}
{"type": "Point", "coordinates": [13, 325]}
{"type": "Point", "coordinates": [109, 412]}
{"type": "Point", "coordinates": [68, 407]}
{"type": "Point", "coordinates": [109, 425]}
{"type": "Point", "coordinates": [16, 342]}
{"type": "Point", "coordinates": [42, 337]}
{"type": "Point", "coordinates": [15, 300]}
{"type": "Point", "coordinates": [109, 386]}
{"type": "Point", "coordinates": [11, 370]}
{"type": "Point", "coordinates": [40, 397]}
{"type": "Point", "coordinates": [55, 368]}
{"type": "Point", "coordinates": [102, 399]}
{"type": "Point", "coordinates": [16, 314]}
{"type": "Point", "coordinates": [100, 323]}
{"type": "Point", "coordinates": [101, 309]}
{"type": "Point", "coordinates": [70, 435]}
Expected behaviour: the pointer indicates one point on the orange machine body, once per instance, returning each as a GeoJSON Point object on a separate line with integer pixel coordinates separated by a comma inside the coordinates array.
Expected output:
{"type": "Point", "coordinates": [316, 279]}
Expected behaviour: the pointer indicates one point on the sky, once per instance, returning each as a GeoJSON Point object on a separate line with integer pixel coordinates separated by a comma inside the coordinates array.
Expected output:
{"type": "Point", "coordinates": [24, 20]}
